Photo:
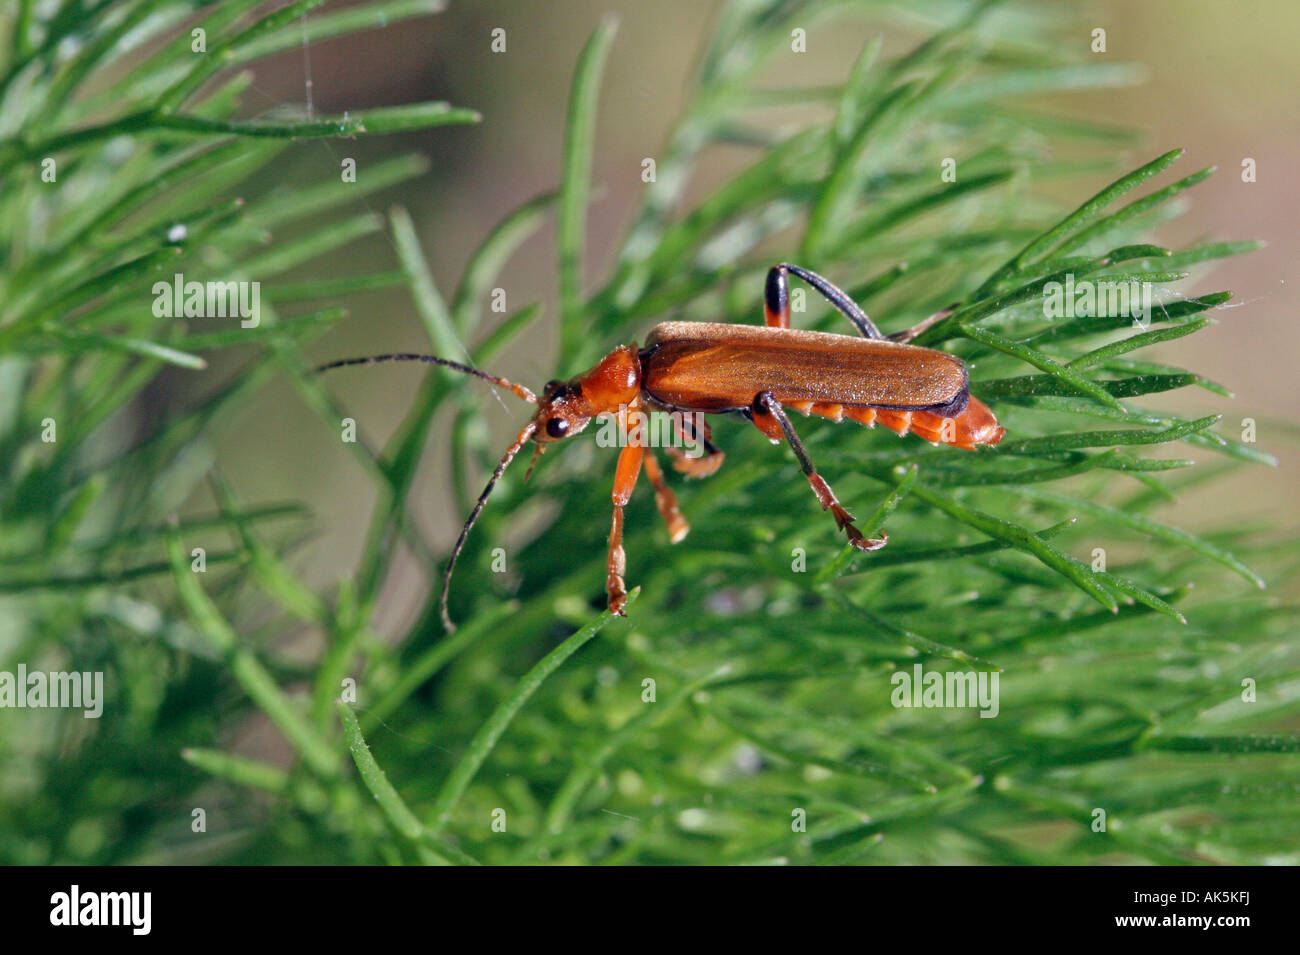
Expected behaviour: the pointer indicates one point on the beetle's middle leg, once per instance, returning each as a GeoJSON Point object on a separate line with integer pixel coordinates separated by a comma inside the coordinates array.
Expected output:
{"type": "Point", "coordinates": [700, 466]}
{"type": "Point", "coordinates": [666, 500]}
{"type": "Point", "coordinates": [771, 419]}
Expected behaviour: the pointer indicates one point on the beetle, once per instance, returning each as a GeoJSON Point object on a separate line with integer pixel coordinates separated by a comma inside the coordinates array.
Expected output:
{"type": "Point", "coordinates": [755, 372]}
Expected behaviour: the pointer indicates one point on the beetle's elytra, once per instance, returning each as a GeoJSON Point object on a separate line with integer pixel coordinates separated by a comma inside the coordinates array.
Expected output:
{"type": "Point", "coordinates": [756, 372]}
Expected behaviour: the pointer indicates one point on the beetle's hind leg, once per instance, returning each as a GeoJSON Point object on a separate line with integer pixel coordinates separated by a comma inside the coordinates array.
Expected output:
{"type": "Point", "coordinates": [666, 500]}
{"type": "Point", "coordinates": [776, 299]}
{"type": "Point", "coordinates": [776, 304]}
{"type": "Point", "coordinates": [770, 418]}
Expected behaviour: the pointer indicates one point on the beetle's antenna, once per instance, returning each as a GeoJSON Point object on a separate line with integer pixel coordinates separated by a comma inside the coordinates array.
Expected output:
{"type": "Point", "coordinates": [509, 456]}
{"type": "Point", "coordinates": [519, 390]}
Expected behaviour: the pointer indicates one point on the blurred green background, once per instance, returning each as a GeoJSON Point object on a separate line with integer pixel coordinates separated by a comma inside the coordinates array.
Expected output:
{"type": "Point", "coordinates": [1216, 81]}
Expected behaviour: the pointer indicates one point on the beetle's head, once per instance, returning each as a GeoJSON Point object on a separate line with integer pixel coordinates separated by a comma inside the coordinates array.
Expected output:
{"type": "Point", "coordinates": [567, 407]}
{"type": "Point", "coordinates": [562, 412]}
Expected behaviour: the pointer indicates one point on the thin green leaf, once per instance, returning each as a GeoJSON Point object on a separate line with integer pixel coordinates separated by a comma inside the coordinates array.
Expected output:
{"type": "Point", "coordinates": [491, 256]}
{"type": "Point", "coordinates": [83, 342]}
{"type": "Point", "coordinates": [1131, 211]}
{"type": "Point", "coordinates": [1024, 540]}
{"type": "Point", "coordinates": [247, 670]}
{"type": "Point", "coordinates": [579, 136]}
{"type": "Point", "coordinates": [490, 732]}
{"type": "Point", "coordinates": [239, 770]}
{"type": "Point", "coordinates": [1085, 213]}
{"type": "Point", "coordinates": [1039, 360]}
{"type": "Point", "coordinates": [1134, 342]}
{"type": "Point", "coordinates": [1155, 529]}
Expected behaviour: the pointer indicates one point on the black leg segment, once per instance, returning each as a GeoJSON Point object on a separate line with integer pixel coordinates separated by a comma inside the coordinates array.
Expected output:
{"type": "Point", "coordinates": [778, 295]}
{"type": "Point", "coordinates": [766, 410]}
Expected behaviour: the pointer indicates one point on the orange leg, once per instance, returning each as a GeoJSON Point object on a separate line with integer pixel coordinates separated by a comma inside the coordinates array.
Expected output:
{"type": "Point", "coordinates": [625, 475]}
{"type": "Point", "coordinates": [695, 467]}
{"type": "Point", "coordinates": [770, 418]}
{"type": "Point", "coordinates": [666, 500]}
{"type": "Point", "coordinates": [629, 467]}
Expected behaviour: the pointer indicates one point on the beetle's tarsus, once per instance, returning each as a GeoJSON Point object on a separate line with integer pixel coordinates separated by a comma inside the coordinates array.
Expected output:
{"type": "Point", "coordinates": [859, 540]}
{"type": "Point", "coordinates": [907, 335]}
{"type": "Point", "coordinates": [617, 593]}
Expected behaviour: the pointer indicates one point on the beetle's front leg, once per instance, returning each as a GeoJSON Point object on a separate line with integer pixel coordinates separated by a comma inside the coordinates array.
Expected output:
{"type": "Point", "coordinates": [625, 475]}
{"type": "Point", "coordinates": [771, 419]}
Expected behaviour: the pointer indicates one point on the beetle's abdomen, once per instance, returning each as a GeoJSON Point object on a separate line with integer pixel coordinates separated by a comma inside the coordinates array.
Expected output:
{"type": "Point", "coordinates": [974, 426]}
{"type": "Point", "coordinates": [702, 366]}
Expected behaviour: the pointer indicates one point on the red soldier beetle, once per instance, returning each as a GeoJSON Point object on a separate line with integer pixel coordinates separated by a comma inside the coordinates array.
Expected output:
{"type": "Point", "coordinates": [756, 372]}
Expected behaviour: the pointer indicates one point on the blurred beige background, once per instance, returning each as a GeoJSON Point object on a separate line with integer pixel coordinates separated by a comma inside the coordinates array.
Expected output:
{"type": "Point", "coordinates": [1222, 81]}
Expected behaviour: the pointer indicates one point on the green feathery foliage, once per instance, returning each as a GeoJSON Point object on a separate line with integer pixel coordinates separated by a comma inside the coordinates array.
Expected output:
{"type": "Point", "coordinates": [770, 644]}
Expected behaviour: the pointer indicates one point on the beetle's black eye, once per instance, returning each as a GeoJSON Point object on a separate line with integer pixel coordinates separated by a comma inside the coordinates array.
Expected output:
{"type": "Point", "coordinates": [557, 427]}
